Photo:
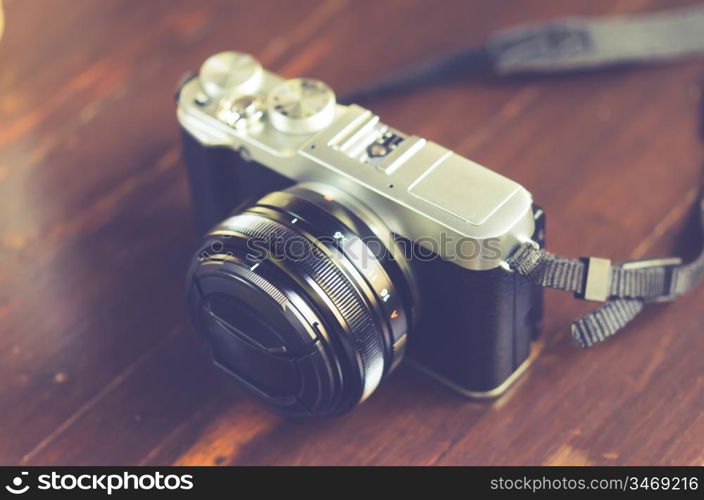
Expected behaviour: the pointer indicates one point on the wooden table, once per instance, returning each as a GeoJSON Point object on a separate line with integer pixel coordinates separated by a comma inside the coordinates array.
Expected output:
{"type": "Point", "coordinates": [98, 364]}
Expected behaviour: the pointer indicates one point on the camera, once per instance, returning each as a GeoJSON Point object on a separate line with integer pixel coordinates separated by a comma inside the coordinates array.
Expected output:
{"type": "Point", "coordinates": [334, 246]}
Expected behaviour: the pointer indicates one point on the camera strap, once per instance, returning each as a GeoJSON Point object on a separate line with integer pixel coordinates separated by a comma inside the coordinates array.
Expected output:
{"type": "Point", "coordinates": [578, 44]}
{"type": "Point", "coordinates": [625, 288]}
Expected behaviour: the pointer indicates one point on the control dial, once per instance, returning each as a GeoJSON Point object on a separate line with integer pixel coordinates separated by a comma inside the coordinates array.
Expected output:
{"type": "Point", "coordinates": [229, 72]}
{"type": "Point", "coordinates": [301, 106]}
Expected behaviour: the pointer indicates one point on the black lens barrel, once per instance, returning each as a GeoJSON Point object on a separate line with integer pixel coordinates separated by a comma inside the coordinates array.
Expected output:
{"type": "Point", "coordinates": [304, 299]}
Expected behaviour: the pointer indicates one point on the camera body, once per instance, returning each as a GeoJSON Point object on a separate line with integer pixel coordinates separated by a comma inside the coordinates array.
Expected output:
{"type": "Point", "coordinates": [470, 321]}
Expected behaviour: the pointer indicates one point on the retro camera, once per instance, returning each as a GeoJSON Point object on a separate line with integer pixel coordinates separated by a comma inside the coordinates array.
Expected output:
{"type": "Point", "coordinates": [334, 245]}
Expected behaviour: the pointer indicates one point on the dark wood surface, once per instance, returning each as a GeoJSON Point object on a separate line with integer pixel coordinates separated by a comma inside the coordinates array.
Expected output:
{"type": "Point", "coordinates": [97, 362]}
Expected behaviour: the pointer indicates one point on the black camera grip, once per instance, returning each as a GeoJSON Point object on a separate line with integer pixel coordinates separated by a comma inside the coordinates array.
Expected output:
{"type": "Point", "coordinates": [212, 179]}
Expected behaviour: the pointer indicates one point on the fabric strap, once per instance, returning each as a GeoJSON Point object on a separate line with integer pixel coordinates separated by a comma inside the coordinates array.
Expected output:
{"type": "Point", "coordinates": [570, 44]}
{"type": "Point", "coordinates": [625, 287]}
{"type": "Point", "coordinates": [567, 44]}
{"type": "Point", "coordinates": [598, 42]}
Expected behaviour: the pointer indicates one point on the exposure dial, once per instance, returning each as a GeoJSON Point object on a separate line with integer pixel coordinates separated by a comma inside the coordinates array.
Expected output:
{"type": "Point", "coordinates": [301, 106]}
{"type": "Point", "coordinates": [230, 72]}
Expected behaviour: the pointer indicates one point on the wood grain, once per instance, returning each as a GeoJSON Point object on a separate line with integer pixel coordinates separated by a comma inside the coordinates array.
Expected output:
{"type": "Point", "coordinates": [97, 362]}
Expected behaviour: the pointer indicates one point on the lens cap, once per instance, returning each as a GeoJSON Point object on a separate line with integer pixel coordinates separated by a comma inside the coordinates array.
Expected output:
{"type": "Point", "coordinates": [256, 333]}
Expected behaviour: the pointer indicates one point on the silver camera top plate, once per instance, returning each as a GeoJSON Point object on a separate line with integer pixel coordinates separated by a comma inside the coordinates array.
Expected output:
{"type": "Point", "coordinates": [424, 192]}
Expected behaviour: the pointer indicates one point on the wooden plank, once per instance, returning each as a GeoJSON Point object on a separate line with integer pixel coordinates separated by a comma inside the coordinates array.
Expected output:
{"type": "Point", "coordinates": [97, 362]}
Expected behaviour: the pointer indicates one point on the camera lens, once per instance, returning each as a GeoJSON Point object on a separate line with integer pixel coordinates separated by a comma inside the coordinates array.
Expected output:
{"type": "Point", "coordinates": [305, 298]}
